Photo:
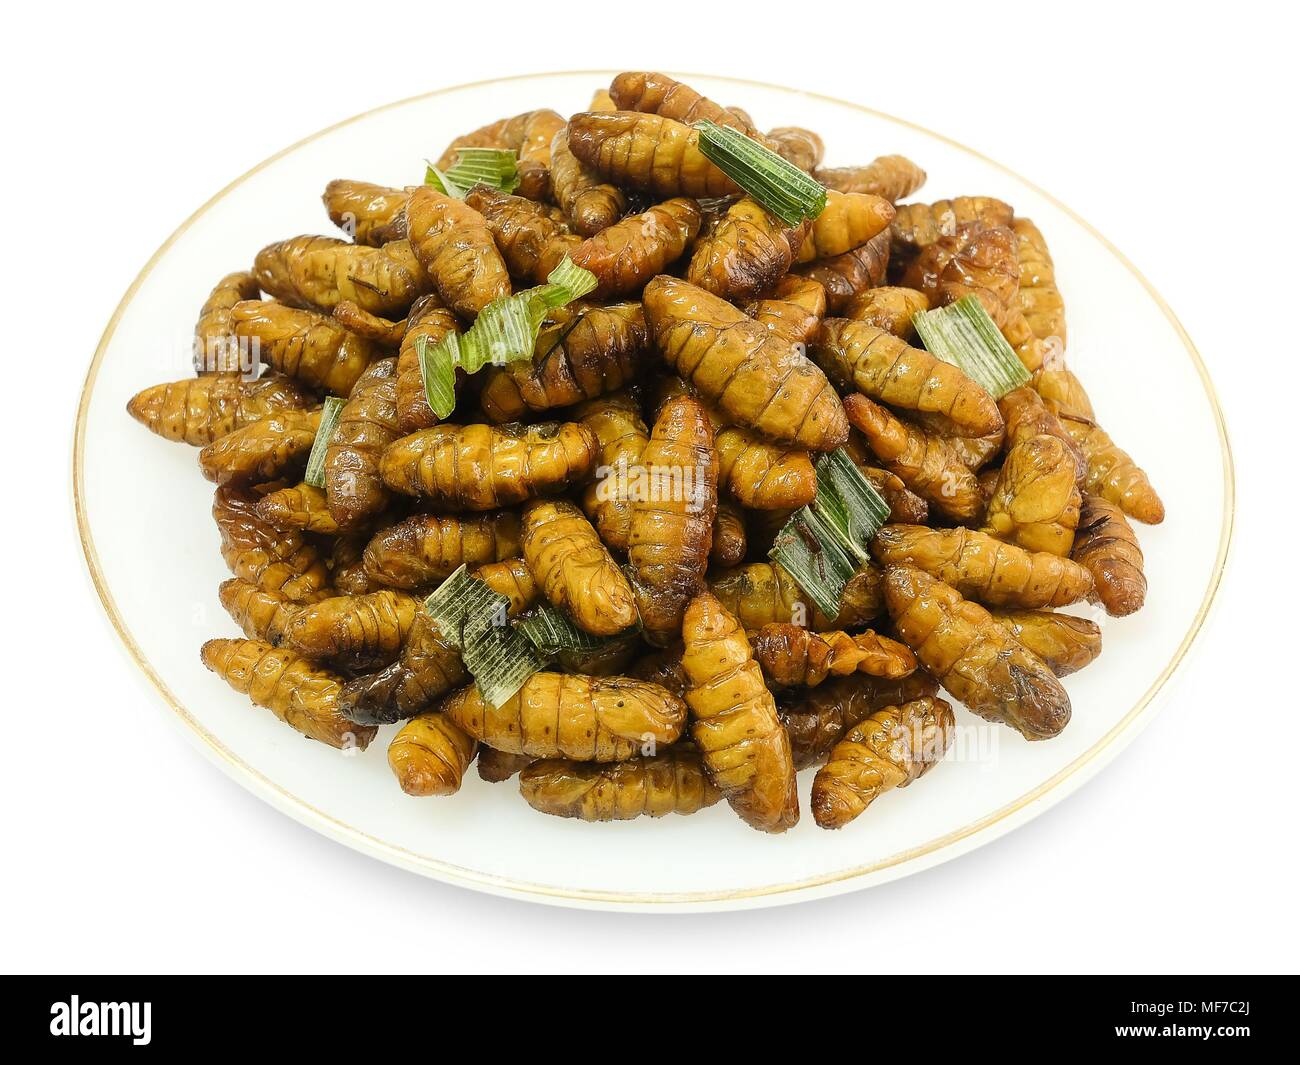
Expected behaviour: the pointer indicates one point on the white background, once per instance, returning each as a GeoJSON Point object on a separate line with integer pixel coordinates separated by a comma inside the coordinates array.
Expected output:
{"type": "Point", "coordinates": [1172, 132]}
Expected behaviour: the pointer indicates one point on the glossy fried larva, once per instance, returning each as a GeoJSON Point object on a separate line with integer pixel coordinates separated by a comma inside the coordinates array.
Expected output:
{"type": "Point", "coordinates": [262, 615]}
{"type": "Point", "coordinates": [199, 410]}
{"type": "Point", "coordinates": [512, 578]}
{"type": "Point", "coordinates": [575, 571]}
{"type": "Point", "coordinates": [482, 467]}
{"type": "Point", "coordinates": [362, 209]}
{"type": "Point", "coordinates": [734, 724]}
{"type": "Point", "coordinates": [754, 378]}
{"type": "Point", "coordinates": [535, 154]}
{"type": "Point", "coordinates": [213, 350]}
{"type": "Point", "coordinates": [745, 252]}
{"type": "Point", "coordinates": [919, 224]}
{"type": "Point", "coordinates": [673, 782]}
{"type": "Point", "coordinates": [510, 133]}
{"type": "Point", "coordinates": [792, 309]}
{"type": "Point", "coordinates": [1066, 643]}
{"type": "Point", "coordinates": [974, 657]}
{"type": "Point", "coordinates": [561, 715]}
{"type": "Point", "coordinates": [1063, 391]}
{"type": "Point", "coordinates": [1039, 298]}
{"type": "Point", "coordinates": [925, 462]}
{"type": "Point", "coordinates": [664, 668]}
{"type": "Point", "coordinates": [817, 718]}
{"type": "Point", "coordinates": [978, 260]}
{"type": "Point", "coordinates": [1108, 549]}
{"type": "Point", "coordinates": [729, 540]}
{"type": "Point", "coordinates": [318, 272]}
{"type": "Point", "coordinates": [273, 559]}
{"type": "Point", "coordinates": [347, 566]}
{"type": "Point", "coordinates": [627, 254]}
{"type": "Point", "coordinates": [382, 332]}
{"type": "Point", "coordinates": [849, 220]}
{"type": "Point", "coordinates": [496, 767]}
{"type": "Point", "coordinates": [302, 506]}
{"type": "Point", "coordinates": [583, 352]}
{"type": "Point", "coordinates": [429, 755]}
{"type": "Point", "coordinates": [796, 145]}
{"type": "Point", "coordinates": [795, 656]}
{"type": "Point", "coordinates": [1112, 473]}
{"type": "Point", "coordinates": [1026, 416]}
{"type": "Point", "coordinates": [648, 152]}
{"type": "Point", "coordinates": [658, 94]}
{"type": "Point", "coordinates": [981, 567]}
{"type": "Point", "coordinates": [367, 424]}
{"type": "Point", "coordinates": [530, 241]}
{"type": "Point", "coordinates": [671, 530]}
{"type": "Point", "coordinates": [845, 276]}
{"type": "Point", "coordinates": [904, 505]}
{"type": "Point", "coordinates": [1035, 501]}
{"type": "Point", "coordinates": [892, 177]}
{"type": "Point", "coordinates": [622, 436]}
{"type": "Point", "coordinates": [890, 308]}
{"type": "Point", "coordinates": [426, 548]}
{"type": "Point", "coordinates": [296, 691]}
{"type": "Point", "coordinates": [763, 593]}
{"type": "Point", "coordinates": [456, 249]}
{"type": "Point", "coordinates": [262, 450]}
{"type": "Point", "coordinates": [307, 346]}
{"type": "Point", "coordinates": [760, 475]}
{"type": "Point", "coordinates": [345, 625]}
{"type": "Point", "coordinates": [427, 669]}
{"type": "Point", "coordinates": [879, 365]}
{"type": "Point", "coordinates": [429, 320]}
{"type": "Point", "coordinates": [588, 201]}
{"type": "Point", "coordinates": [890, 749]}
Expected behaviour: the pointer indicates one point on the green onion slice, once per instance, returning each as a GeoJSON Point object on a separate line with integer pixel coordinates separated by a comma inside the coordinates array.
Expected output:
{"type": "Point", "coordinates": [329, 423]}
{"type": "Point", "coordinates": [963, 334]}
{"type": "Point", "coordinates": [781, 187]}
{"type": "Point", "coordinates": [497, 168]}
{"type": "Point", "coordinates": [552, 631]}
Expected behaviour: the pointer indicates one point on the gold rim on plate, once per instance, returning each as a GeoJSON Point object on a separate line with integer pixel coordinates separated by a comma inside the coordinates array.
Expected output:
{"type": "Point", "coordinates": [421, 863]}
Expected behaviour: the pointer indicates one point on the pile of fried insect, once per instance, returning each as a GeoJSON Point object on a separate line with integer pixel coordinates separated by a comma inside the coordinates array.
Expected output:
{"type": "Point", "coordinates": [657, 295]}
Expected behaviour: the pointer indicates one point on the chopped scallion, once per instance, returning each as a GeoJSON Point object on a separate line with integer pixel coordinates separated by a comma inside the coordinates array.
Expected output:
{"type": "Point", "coordinates": [329, 422]}
{"type": "Point", "coordinates": [963, 334]}
{"type": "Point", "coordinates": [780, 186]}
{"type": "Point", "coordinates": [495, 167]}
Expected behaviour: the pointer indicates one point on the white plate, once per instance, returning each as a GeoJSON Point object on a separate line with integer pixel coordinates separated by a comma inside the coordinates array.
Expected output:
{"type": "Point", "coordinates": [152, 548]}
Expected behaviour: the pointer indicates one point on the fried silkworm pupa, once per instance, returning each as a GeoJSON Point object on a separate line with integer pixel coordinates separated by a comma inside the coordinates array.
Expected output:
{"type": "Point", "coordinates": [905, 506]}
{"type": "Point", "coordinates": [615, 420]}
{"type": "Point", "coordinates": [562, 715]}
{"type": "Point", "coordinates": [583, 352]}
{"type": "Point", "coordinates": [889, 370]}
{"type": "Point", "coordinates": [1035, 502]}
{"type": "Point", "coordinates": [302, 506]}
{"type": "Point", "coordinates": [731, 360]}
{"type": "Point", "coordinates": [1026, 416]}
{"type": "Point", "coordinates": [745, 252]}
{"type": "Point", "coordinates": [792, 310]}
{"type": "Point", "coordinates": [974, 657]}
{"type": "Point", "coordinates": [587, 200]}
{"type": "Point", "coordinates": [729, 541]}
{"type": "Point", "coordinates": [307, 346]}
{"type": "Point", "coordinates": [671, 530]}
{"type": "Point", "coordinates": [261, 450]}
{"type": "Point", "coordinates": [763, 593]}
{"type": "Point", "coordinates": [262, 615]}
{"type": "Point", "coordinates": [427, 669]}
{"type": "Point", "coordinates": [429, 755]}
{"type": "Point", "coordinates": [496, 767]}
{"type": "Point", "coordinates": [629, 253]}
{"type": "Point", "coordinates": [482, 467]}
{"type": "Point", "coordinates": [363, 210]}
{"type": "Point", "coordinates": [1108, 549]}
{"type": "Point", "coordinates": [647, 152]}
{"type": "Point", "coordinates": [917, 225]}
{"type": "Point", "coordinates": [849, 221]}
{"type": "Point", "coordinates": [1039, 298]}
{"type": "Point", "coordinates": [1058, 385]}
{"type": "Point", "coordinates": [318, 272]}
{"type": "Point", "coordinates": [199, 410]}
{"type": "Point", "coordinates": [213, 350]}
{"type": "Point", "coordinates": [891, 177]}
{"type": "Point", "coordinates": [926, 463]}
{"type": "Point", "coordinates": [890, 749]}
{"type": "Point", "coordinates": [1112, 473]}
{"type": "Point", "coordinates": [530, 241]}
{"type": "Point", "coordinates": [512, 578]}
{"type": "Point", "coordinates": [984, 568]}
{"type": "Point", "coordinates": [367, 424]}
{"type": "Point", "coordinates": [430, 321]}
{"type": "Point", "coordinates": [745, 750]}
{"type": "Point", "coordinates": [890, 308]}
{"type": "Point", "coordinates": [976, 260]}
{"type": "Point", "coordinates": [376, 625]}
{"type": "Point", "coordinates": [521, 133]}
{"type": "Point", "coordinates": [664, 668]}
{"type": "Point", "coordinates": [275, 560]}
{"type": "Point", "coordinates": [382, 332]}
{"type": "Point", "coordinates": [426, 548]}
{"type": "Point", "coordinates": [760, 475]}
{"type": "Point", "coordinates": [456, 249]}
{"type": "Point", "coordinates": [797, 145]}
{"type": "Point", "coordinates": [575, 571]}
{"type": "Point", "coordinates": [845, 276]}
{"type": "Point", "coordinates": [1066, 643]}
{"type": "Point", "coordinates": [794, 656]}
{"type": "Point", "coordinates": [296, 691]}
{"type": "Point", "coordinates": [658, 94]}
{"type": "Point", "coordinates": [673, 782]}
{"type": "Point", "coordinates": [347, 566]}
{"type": "Point", "coordinates": [817, 718]}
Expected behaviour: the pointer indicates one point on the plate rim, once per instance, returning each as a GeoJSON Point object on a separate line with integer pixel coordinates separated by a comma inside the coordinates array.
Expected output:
{"type": "Point", "coordinates": [932, 852]}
